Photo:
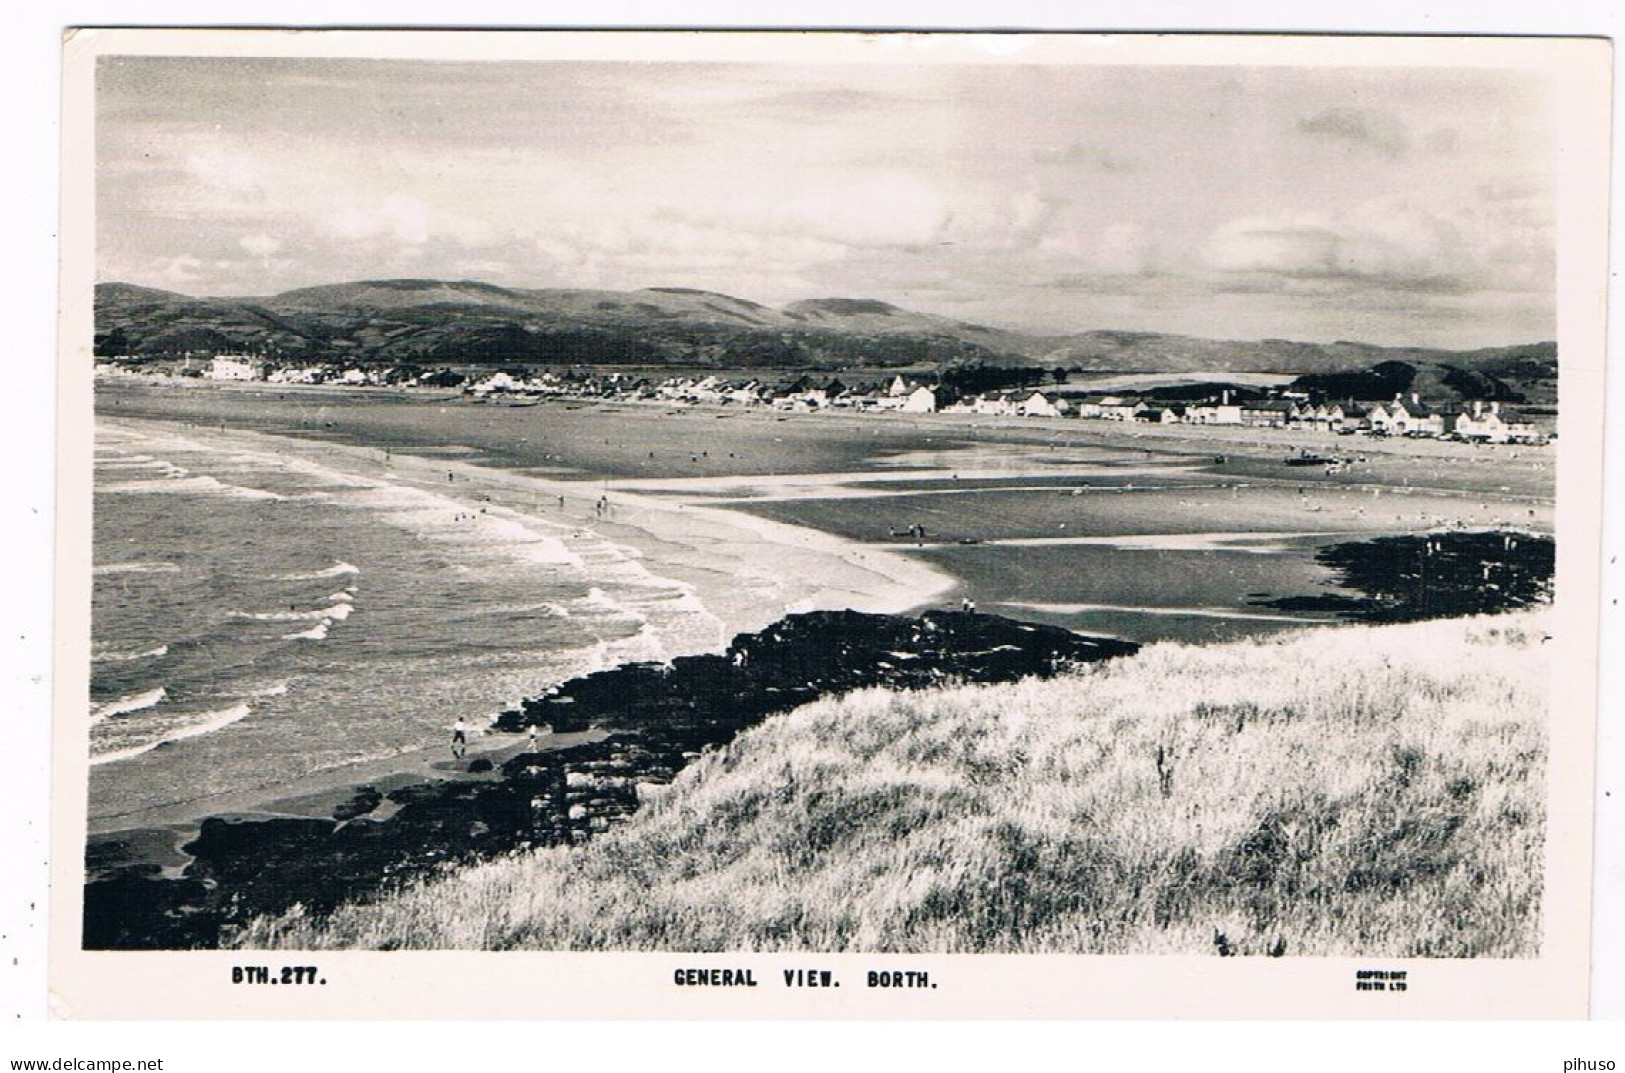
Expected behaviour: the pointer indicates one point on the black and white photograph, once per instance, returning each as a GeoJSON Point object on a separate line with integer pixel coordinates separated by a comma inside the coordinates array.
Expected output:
{"type": "Point", "coordinates": [894, 499]}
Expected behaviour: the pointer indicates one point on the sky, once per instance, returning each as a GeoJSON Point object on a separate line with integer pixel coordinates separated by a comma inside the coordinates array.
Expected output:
{"type": "Point", "coordinates": [1401, 207]}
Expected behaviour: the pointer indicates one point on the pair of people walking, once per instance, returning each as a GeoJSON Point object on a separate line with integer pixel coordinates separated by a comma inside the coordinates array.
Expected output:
{"type": "Point", "coordinates": [459, 738]}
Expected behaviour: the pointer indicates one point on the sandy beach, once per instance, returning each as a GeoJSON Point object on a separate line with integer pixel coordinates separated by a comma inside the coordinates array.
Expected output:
{"type": "Point", "coordinates": [759, 515]}
{"type": "Point", "coordinates": [744, 571]}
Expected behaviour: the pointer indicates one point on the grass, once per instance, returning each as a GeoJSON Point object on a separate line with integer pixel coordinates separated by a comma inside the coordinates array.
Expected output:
{"type": "Point", "coordinates": [1372, 791]}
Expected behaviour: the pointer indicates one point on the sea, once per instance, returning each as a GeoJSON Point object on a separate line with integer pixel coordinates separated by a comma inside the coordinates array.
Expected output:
{"type": "Point", "coordinates": [260, 615]}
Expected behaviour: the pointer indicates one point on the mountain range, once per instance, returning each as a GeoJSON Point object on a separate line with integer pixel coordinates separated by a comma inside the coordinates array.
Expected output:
{"type": "Point", "coordinates": [425, 321]}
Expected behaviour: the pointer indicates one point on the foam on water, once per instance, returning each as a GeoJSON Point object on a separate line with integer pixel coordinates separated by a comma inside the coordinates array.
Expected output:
{"type": "Point", "coordinates": [196, 485]}
{"type": "Point", "coordinates": [536, 601]}
{"type": "Point", "coordinates": [136, 568]}
{"type": "Point", "coordinates": [135, 702]}
{"type": "Point", "coordinates": [317, 632]}
{"type": "Point", "coordinates": [340, 610]}
{"type": "Point", "coordinates": [202, 723]}
{"type": "Point", "coordinates": [113, 656]}
{"type": "Point", "coordinates": [339, 569]}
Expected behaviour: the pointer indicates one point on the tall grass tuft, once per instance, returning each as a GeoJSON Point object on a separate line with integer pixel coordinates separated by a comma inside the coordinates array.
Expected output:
{"type": "Point", "coordinates": [1373, 791]}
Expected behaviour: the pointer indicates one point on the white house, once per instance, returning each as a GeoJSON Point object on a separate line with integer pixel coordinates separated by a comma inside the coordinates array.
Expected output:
{"type": "Point", "coordinates": [1036, 405]}
{"type": "Point", "coordinates": [922, 400]}
{"type": "Point", "coordinates": [1491, 424]}
{"type": "Point", "coordinates": [233, 367]}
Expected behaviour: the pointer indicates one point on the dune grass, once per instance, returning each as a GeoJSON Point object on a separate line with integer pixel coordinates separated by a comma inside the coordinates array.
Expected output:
{"type": "Point", "coordinates": [1375, 791]}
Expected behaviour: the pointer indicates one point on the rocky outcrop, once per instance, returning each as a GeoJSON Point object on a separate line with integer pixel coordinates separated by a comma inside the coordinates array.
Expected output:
{"type": "Point", "coordinates": [659, 717]}
{"type": "Point", "coordinates": [1443, 574]}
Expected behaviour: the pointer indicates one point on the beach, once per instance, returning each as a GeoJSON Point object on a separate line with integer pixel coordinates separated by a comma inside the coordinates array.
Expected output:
{"type": "Point", "coordinates": [530, 579]}
{"type": "Point", "coordinates": [661, 532]}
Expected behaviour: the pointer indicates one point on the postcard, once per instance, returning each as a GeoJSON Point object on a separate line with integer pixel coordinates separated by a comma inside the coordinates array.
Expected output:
{"type": "Point", "coordinates": [827, 525]}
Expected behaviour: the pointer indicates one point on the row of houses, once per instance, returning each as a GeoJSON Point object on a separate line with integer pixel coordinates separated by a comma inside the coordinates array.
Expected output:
{"type": "Point", "coordinates": [1401, 416]}
{"type": "Point", "coordinates": [1479, 420]}
{"type": "Point", "coordinates": [800, 395]}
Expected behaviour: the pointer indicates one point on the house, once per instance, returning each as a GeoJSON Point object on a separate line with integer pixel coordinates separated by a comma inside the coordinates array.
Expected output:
{"type": "Point", "coordinates": [1157, 416]}
{"type": "Point", "coordinates": [1223, 412]}
{"type": "Point", "coordinates": [1036, 405]}
{"type": "Point", "coordinates": [922, 400]}
{"type": "Point", "coordinates": [1425, 420]}
{"type": "Point", "coordinates": [1089, 405]}
{"type": "Point", "coordinates": [1308, 415]}
{"type": "Point", "coordinates": [1120, 409]}
{"type": "Point", "coordinates": [234, 367]}
{"type": "Point", "coordinates": [1491, 424]}
{"type": "Point", "coordinates": [1267, 413]}
{"type": "Point", "coordinates": [1403, 417]}
{"type": "Point", "coordinates": [495, 383]}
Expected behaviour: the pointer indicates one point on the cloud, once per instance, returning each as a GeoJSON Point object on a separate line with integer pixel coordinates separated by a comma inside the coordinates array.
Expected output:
{"type": "Point", "coordinates": [180, 270]}
{"type": "Point", "coordinates": [260, 244]}
{"type": "Point", "coordinates": [1119, 249]}
{"type": "Point", "coordinates": [1382, 244]}
{"type": "Point", "coordinates": [1376, 130]}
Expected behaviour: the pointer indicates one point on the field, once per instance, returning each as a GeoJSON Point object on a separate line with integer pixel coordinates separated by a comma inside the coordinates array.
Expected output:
{"type": "Point", "coordinates": [1372, 791]}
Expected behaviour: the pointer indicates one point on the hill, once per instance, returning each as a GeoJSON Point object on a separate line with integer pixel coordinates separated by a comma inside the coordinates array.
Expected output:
{"type": "Point", "coordinates": [1329, 793]}
{"type": "Point", "coordinates": [428, 321]}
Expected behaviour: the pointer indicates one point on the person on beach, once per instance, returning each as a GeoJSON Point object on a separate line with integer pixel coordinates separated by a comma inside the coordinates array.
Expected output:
{"type": "Point", "coordinates": [535, 738]}
{"type": "Point", "coordinates": [459, 738]}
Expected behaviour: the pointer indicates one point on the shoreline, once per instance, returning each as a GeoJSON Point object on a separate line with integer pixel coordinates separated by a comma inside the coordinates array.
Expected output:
{"type": "Point", "coordinates": [702, 545]}
{"type": "Point", "coordinates": [625, 734]}
{"type": "Point", "coordinates": [716, 553]}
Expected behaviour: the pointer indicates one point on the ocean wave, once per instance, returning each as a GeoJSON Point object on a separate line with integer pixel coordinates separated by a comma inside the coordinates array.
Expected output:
{"type": "Point", "coordinates": [205, 723]}
{"type": "Point", "coordinates": [276, 689]}
{"type": "Point", "coordinates": [136, 568]}
{"type": "Point", "coordinates": [345, 595]}
{"type": "Point", "coordinates": [340, 610]}
{"type": "Point", "coordinates": [317, 632]}
{"type": "Point", "coordinates": [644, 646]}
{"type": "Point", "coordinates": [338, 569]}
{"type": "Point", "coordinates": [545, 607]}
{"type": "Point", "coordinates": [129, 657]}
{"type": "Point", "coordinates": [195, 485]}
{"type": "Point", "coordinates": [599, 600]}
{"type": "Point", "coordinates": [135, 702]}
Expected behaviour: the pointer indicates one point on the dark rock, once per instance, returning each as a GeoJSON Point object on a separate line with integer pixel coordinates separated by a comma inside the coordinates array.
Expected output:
{"type": "Point", "coordinates": [1433, 575]}
{"type": "Point", "coordinates": [365, 800]}
{"type": "Point", "coordinates": [658, 716]}
{"type": "Point", "coordinates": [479, 764]}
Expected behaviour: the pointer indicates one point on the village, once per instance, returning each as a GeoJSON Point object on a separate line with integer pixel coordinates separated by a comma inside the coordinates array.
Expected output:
{"type": "Point", "coordinates": [1406, 415]}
